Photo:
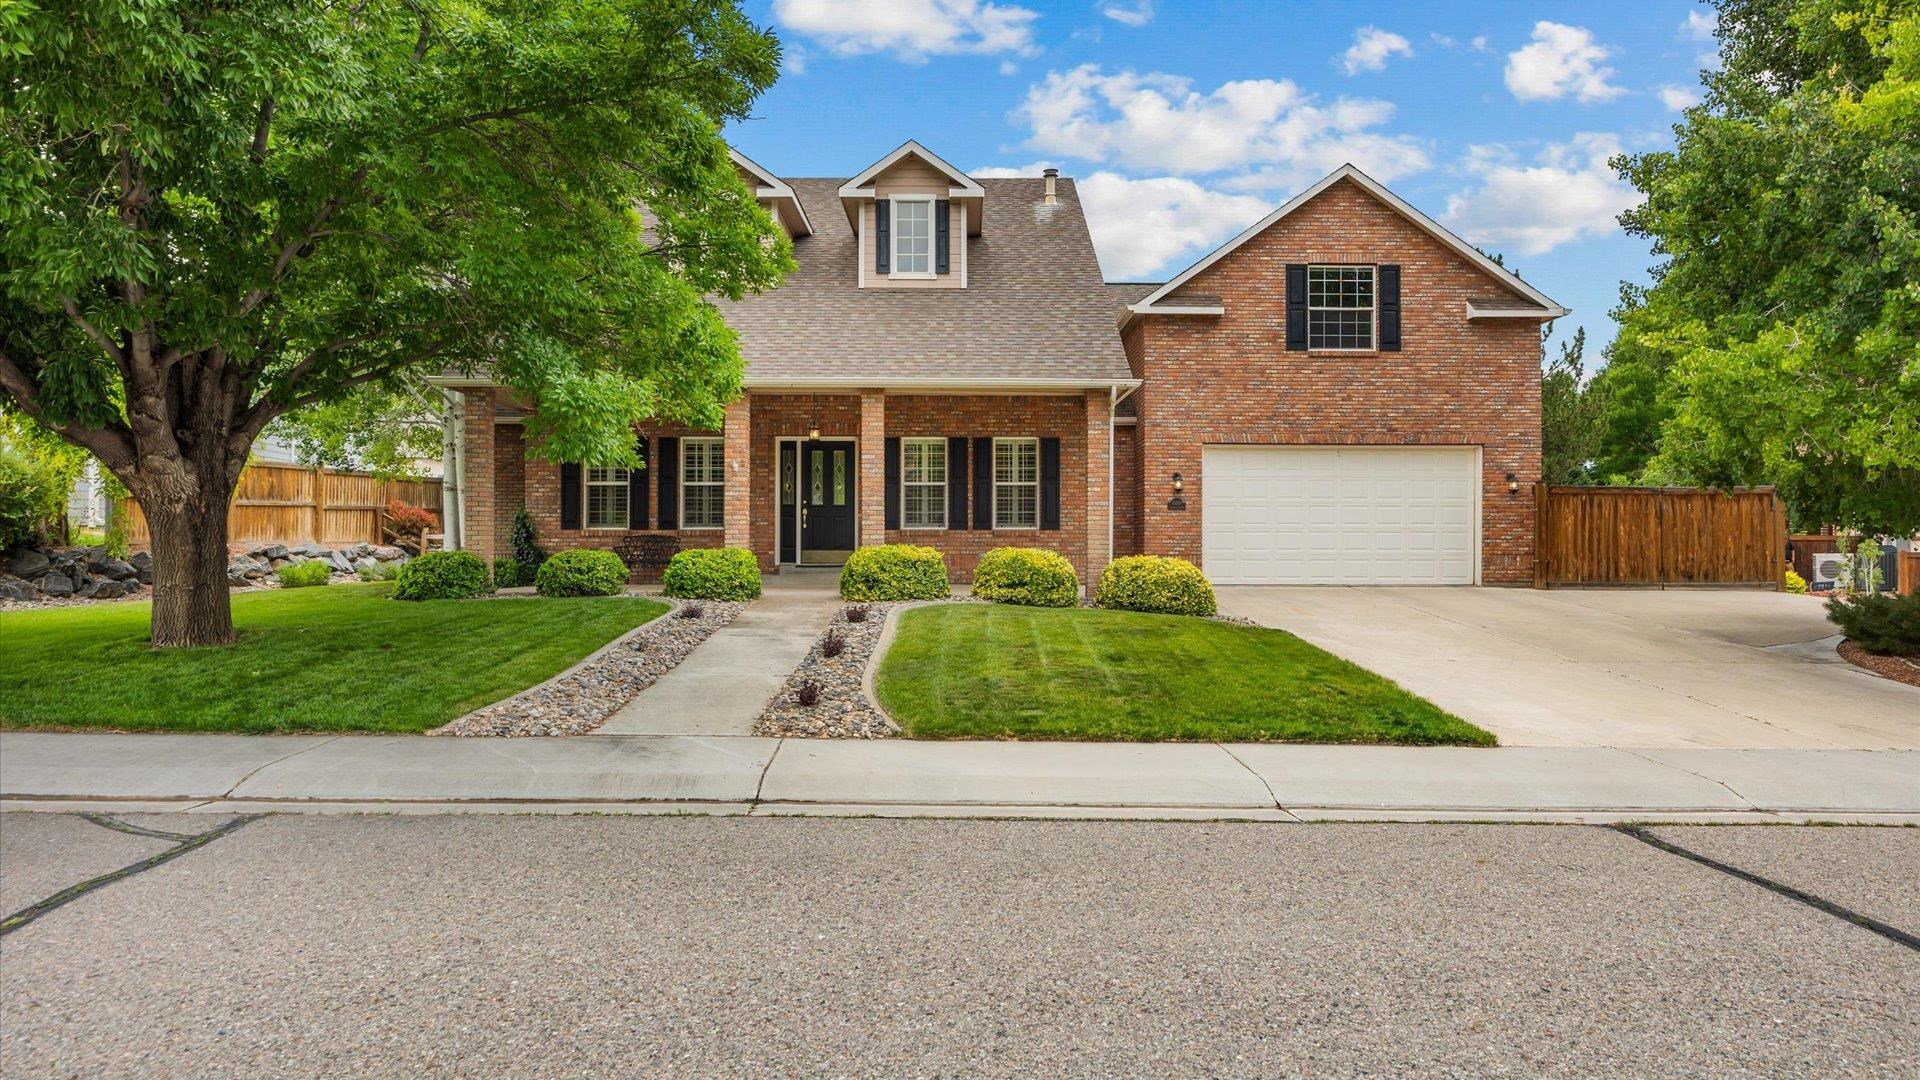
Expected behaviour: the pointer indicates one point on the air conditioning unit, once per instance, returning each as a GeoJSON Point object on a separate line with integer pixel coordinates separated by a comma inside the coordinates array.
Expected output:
{"type": "Point", "coordinates": [1830, 568]}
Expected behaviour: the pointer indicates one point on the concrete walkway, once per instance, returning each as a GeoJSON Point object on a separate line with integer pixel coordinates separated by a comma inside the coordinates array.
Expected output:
{"type": "Point", "coordinates": [361, 773]}
{"type": "Point", "coordinates": [727, 680]}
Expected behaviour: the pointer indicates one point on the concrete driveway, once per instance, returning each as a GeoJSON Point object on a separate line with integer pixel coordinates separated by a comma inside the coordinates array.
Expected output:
{"type": "Point", "coordinates": [1639, 668]}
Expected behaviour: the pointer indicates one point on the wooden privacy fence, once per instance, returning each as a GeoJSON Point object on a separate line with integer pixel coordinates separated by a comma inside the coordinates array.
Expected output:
{"type": "Point", "coordinates": [294, 504]}
{"type": "Point", "coordinates": [1658, 536]}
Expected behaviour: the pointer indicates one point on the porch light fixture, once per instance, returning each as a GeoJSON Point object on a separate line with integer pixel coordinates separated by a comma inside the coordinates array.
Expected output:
{"type": "Point", "coordinates": [1177, 503]}
{"type": "Point", "coordinates": [1513, 484]}
{"type": "Point", "coordinates": [1179, 483]}
{"type": "Point", "coordinates": [813, 433]}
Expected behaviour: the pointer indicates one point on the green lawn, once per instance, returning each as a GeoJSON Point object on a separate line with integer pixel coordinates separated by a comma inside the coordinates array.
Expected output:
{"type": "Point", "coordinates": [993, 671]}
{"type": "Point", "coordinates": [332, 658]}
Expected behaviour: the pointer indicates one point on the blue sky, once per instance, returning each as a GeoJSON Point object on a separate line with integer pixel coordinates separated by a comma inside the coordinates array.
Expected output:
{"type": "Point", "coordinates": [1186, 120]}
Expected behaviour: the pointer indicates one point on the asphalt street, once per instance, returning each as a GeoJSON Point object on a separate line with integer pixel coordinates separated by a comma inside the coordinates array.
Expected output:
{"type": "Point", "coordinates": [472, 945]}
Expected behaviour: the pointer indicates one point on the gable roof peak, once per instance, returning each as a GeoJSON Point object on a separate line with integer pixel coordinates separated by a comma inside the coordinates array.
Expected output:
{"type": "Point", "coordinates": [861, 185]}
{"type": "Point", "coordinates": [1375, 188]}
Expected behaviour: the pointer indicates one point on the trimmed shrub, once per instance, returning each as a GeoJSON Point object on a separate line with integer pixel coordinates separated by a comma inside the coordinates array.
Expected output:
{"type": "Point", "coordinates": [380, 571]}
{"type": "Point", "coordinates": [1033, 576]}
{"type": "Point", "coordinates": [1795, 584]}
{"type": "Point", "coordinates": [581, 572]}
{"type": "Point", "coordinates": [895, 572]}
{"type": "Point", "coordinates": [301, 575]}
{"type": "Point", "coordinates": [442, 575]}
{"type": "Point", "coordinates": [506, 574]}
{"type": "Point", "coordinates": [712, 574]}
{"type": "Point", "coordinates": [1879, 623]}
{"type": "Point", "coordinates": [525, 552]}
{"type": "Point", "coordinates": [1155, 583]}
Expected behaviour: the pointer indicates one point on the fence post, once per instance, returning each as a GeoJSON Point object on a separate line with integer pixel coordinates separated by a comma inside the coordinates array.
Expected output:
{"type": "Point", "coordinates": [320, 504]}
{"type": "Point", "coordinates": [1540, 502]}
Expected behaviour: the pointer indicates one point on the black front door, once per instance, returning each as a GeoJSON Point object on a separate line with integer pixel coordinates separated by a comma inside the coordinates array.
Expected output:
{"type": "Point", "coordinates": [827, 484]}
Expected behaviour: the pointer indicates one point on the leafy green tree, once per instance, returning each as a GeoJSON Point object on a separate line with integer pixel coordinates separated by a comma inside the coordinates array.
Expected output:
{"type": "Point", "coordinates": [212, 215]}
{"type": "Point", "coordinates": [1778, 341]}
{"type": "Point", "coordinates": [1571, 416]}
{"type": "Point", "coordinates": [387, 430]}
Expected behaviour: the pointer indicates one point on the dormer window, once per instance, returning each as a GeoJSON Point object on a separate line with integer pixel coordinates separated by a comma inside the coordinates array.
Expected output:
{"type": "Point", "coordinates": [912, 237]}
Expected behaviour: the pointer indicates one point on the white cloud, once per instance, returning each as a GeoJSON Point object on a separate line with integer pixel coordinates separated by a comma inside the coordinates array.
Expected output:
{"type": "Point", "coordinates": [1008, 67]}
{"type": "Point", "coordinates": [1677, 98]}
{"type": "Point", "coordinates": [1561, 60]}
{"type": "Point", "coordinates": [911, 29]}
{"type": "Point", "coordinates": [1140, 226]}
{"type": "Point", "coordinates": [1128, 12]}
{"type": "Point", "coordinates": [1003, 172]}
{"type": "Point", "coordinates": [1699, 26]}
{"type": "Point", "coordinates": [1569, 193]}
{"type": "Point", "coordinates": [1479, 43]}
{"type": "Point", "coordinates": [1159, 123]}
{"type": "Point", "coordinates": [1443, 40]}
{"type": "Point", "coordinates": [1371, 48]}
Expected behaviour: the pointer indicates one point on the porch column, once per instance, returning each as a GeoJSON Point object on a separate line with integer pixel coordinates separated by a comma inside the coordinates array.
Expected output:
{"type": "Point", "coordinates": [1099, 485]}
{"type": "Point", "coordinates": [873, 468]}
{"type": "Point", "coordinates": [477, 476]}
{"type": "Point", "coordinates": [737, 450]}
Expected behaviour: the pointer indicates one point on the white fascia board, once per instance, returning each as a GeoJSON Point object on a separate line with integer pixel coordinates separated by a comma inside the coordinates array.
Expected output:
{"type": "Point", "coordinates": [1377, 190]}
{"type": "Point", "coordinates": [1552, 312]}
{"type": "Point", "coordinates": [771, 186]}
{"type": "Point", "coordinates": [937, 384]}
{"type": "Point", "coordinates": [1134, 311]}
{"type": "Point", "coordinates": [456, 382]}
{"type": "Point", "coordinates": [964, 186]}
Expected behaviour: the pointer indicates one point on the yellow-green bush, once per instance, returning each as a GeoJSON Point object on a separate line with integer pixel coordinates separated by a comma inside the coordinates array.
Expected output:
{"type": "Point", "coordinates": [581, 572]}
{"type": "Point", "coordinates": [301, 575]}
{"type": "Point", "coordinates": [1155, 583]}
{"type": "Point", "coordinates": [712, 574]}
{"type": "Point", "coordinates": [1795, 584]}
{"type": "Point", "coordinates": [895, 572]}
{"type": "Point", "coordinates": [1032, 576]}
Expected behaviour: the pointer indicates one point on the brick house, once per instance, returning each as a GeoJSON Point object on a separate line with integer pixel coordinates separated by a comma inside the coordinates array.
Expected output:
{"type": "Point", "coordinates": [1344, 392]}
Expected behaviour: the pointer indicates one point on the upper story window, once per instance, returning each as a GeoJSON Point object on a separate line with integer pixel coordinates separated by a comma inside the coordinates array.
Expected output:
{"type": "Point", "coordinates": [912, 237]}
{"type": "Point", "coordinates": [1340, 307]}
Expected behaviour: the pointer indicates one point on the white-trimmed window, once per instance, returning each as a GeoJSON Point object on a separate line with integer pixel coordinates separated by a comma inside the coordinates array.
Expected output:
{"type": "Point", "coordinates": [703, 483]}
{"type": "Point", "coordinates": [912, 237]}
{"type": "Point", "coordinates": [1340, 307]}
{"type": "Point", "coordinates": [923, 476]}
{"type": "Point", "coordinates": [1016, 483]}
{"type": "Point", "coordinates": [606, 497]}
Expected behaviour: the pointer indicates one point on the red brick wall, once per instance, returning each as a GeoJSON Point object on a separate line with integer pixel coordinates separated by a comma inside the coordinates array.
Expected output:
{"type": "Point", "coordinates": [1229, 379]}
{"type": "Point", "coordinates": [509, 484]}
{"type": "Point", "coordinates": [1126, 490]}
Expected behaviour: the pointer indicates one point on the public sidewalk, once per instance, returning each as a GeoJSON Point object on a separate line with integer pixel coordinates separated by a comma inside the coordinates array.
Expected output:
{"type": "Point", "coordinates": [639, 773]}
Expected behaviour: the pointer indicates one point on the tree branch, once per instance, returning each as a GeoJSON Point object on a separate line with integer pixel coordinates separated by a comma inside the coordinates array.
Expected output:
{"type": "Point", "coordinates": [113, 351]}
{"type": "Point", "coordinates": [260, 128]}
{"type": "Point", "coordinates": [294, 248]}
{"type": "Point", "coordinates": [113, 446]}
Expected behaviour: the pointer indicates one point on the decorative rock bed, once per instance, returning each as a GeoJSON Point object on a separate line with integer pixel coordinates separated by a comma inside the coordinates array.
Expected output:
{"type": "Point", "coordinates": [841, 709]}
{"type": "Point", "coordinates": [59, 576]}
{"type": "Point", "coordinates": [582, 698]}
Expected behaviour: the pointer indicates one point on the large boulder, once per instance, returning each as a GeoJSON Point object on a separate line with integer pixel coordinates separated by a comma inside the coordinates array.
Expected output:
{"type": "Point", "coordinates": [274, 551]}
{"type": "Point", "coordinates": [119, 570]}
{"type": "Point", "coordinates": [360, 550]}
{"type": "Point", "coordinates": [313, 551]}
{"type": "Point", "coordinates": [341, 564]}
{"type": "Point", "coordinates": [98, 560]}
{"type": "Point", "coordinates": [16, 589]}
{"type": "Point", "coordinates": [30, 564]}
{"type": "Point", "coordinates": [388, 554]}
{"type": "Point", "coordinates": [86, 590]}
{"type": "Point", "coordinates": [57, 585]}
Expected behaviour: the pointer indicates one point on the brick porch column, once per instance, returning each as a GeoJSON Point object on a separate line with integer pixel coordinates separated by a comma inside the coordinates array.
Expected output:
{"type": "Point", "coordinates": [477, 474]}
{"type": "Point", "coordinates": [873, 468]}
{"type": "Point", "coordinates": [737, 511]}
{"type": "Point", "coordinates": [1099, 485]}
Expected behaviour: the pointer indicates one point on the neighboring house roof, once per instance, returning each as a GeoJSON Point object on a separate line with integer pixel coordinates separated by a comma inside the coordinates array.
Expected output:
{"type": "Point", "coordinates": [775, 190]}
{"type": "Point", "coordinates": [1131, 292]}
{"type": "Point", "coordinates": [1035, 311]}
{"type": "Point", "coordinates": [1536, 304]}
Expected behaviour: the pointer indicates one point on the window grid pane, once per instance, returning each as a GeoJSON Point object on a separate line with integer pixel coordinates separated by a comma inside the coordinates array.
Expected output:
{"type": "Point", "coordinates": [923, 467]}
{"type": "Point", "coordinates": [702, 483]}
{"type": "Point", "coordinates": [912, 243]}
{"type": "Point", "coordinates": [606, 497]}
{"type": "Point", "coordinates": [1340, 307]}
{"type": "Point", "coordinates": [1016, 483]}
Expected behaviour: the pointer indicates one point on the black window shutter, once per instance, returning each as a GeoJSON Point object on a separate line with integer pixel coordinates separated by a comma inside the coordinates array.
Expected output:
{"type": "Point", "coordinates": [983, 483]}
{"type": "Point", "coordinates": [1296, 307]}
{"type": "Point", "coordinates": [637, 488]}
{"type": "Point", "coordinates": [941, 210]}
{"type": "Point", "coordinates": [1389, 309]}
{"type": "Point", "coordinates": [570, 493]}
{"type": "Point", "coordinates": [882, 234]}
{"type": "Point", "coordinates": [956, 483]}
{"type": "Point", "coordinates": [893, 483]}
{"type": "Point", "coordinates": [669, 482]}
{"type": "Point", "coordinates": [1049, 483]}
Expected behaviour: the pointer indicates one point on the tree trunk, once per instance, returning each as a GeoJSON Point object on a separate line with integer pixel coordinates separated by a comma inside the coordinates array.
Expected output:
{"type": "Point", "coordinates": [189, 544]}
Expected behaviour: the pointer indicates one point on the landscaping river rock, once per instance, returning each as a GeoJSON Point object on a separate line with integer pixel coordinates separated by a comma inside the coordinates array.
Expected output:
{"type": "Point", "coordinates": [839, 709]}
{"type": "Point", "coordinates": [54, 576]}
{"type": "Point", "coordinates": [581, 698]}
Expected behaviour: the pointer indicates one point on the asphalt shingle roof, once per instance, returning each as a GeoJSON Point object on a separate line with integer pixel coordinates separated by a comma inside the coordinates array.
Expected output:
{"type": "Point", "coordinates": [1035, 306]}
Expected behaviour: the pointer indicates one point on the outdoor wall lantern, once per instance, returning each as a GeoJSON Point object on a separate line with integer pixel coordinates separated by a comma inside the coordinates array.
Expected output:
{"type": "Point", "coordinates": [1177, 503]}
{"type": "Point", "coordinates": [813, 433]}
{"type": "Point", "coordinates": [1513, 484]}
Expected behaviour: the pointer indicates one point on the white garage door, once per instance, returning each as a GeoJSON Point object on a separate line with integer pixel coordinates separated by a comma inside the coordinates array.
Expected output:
{"type": "Point", "coordinates": [1322, 515]}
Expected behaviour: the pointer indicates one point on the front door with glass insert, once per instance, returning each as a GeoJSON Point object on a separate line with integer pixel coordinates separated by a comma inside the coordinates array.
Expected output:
{"type": "Point", "coordinates": [827, 483]}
